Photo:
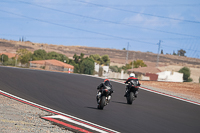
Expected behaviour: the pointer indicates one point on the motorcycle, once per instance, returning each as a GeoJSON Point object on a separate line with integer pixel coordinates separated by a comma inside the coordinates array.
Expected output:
{"type": "Point", "coordinates": [133, 86]}
{"type": "Point", "coordinates": [104, 97]}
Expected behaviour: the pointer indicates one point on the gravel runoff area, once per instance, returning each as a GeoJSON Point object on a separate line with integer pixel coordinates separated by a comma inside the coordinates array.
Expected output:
{"type": "Point", "coordinates": [17, 117]}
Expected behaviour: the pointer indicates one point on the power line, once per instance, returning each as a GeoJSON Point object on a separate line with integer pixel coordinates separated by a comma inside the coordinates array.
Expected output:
{"type": "Point", "coordinates": [64, 37]}
{"type": "Point", "coordinates": [119, 5]}
{"type": "Point", "coordinates": [107, 20]}
{"type": "Point", "coordinates": [158, 52]}
{"type": "Point", "coordinates": [74, 28]}
{"type": "Point", "coordinates": [147, 14]}
{"type": "Point", "coordinates": [127, 53]}
{"type": "Point", "coordinates": [97, 38]}
{"type": "Point", "coordinates": [180, 47]}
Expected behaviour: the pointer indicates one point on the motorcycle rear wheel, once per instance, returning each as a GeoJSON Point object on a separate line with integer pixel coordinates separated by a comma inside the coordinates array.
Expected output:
{"type": "Point", "coordinates": [130, 98]}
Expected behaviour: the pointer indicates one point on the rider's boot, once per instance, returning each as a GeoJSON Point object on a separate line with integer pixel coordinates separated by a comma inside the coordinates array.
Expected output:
{"type": "Point", "coordinates": [109, 97]}
{"type": "Point", "coordinates": [126, 94]}
{"type": "Point", "coordinates": [98, 97]}
{"type": "Point", "coordinates": [136, 93]}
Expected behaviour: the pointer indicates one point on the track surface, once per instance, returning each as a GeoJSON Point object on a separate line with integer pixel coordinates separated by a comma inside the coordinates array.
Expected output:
{"type": "Point", "coordinates": [75, 95]}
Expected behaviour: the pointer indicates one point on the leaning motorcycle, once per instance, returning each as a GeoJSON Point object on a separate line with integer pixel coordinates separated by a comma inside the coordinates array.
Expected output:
{"type": "Point", "coordinates": [103, 98]}
{"type": "Point", "coordinates": [133, 86]}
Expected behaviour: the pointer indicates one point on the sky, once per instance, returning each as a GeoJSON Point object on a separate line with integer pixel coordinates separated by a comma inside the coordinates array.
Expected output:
{"type": "Point", "coordinates": [137, 25]}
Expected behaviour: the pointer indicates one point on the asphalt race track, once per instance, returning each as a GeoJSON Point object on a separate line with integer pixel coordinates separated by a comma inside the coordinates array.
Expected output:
{"type": "Point", "coordinates": [75, 95]}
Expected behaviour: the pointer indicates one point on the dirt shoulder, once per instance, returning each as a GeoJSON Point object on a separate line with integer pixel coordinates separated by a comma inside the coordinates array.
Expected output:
{"type": "Point", "coordinates": [190, 91]}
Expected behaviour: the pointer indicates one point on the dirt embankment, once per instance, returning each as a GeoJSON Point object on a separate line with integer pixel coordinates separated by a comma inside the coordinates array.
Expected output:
{"type": "Point", "coordinates": [116, 56]}
{"type": "Point", "coordinates": [186, 90]}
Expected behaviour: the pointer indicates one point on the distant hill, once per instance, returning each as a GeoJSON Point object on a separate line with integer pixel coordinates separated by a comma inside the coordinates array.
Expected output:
{"type": "Point", "coordinates": [116, 56]}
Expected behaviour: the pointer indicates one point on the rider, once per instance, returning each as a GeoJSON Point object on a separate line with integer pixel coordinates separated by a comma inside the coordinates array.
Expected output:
{"type": "Point", "coordinates": [131, 77]}
{"type": "Point", "coordinates": [103, 86]}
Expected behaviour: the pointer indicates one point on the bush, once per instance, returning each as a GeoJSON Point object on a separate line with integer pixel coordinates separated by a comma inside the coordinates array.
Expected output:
{"type": "Point", "coordinates": [87, 66]}
{"type": "Point", "coordinates": [10, 62]}
{"type": "Point", "coordinates": [4, 57]}
{"type": "Point", "coordinates": [114, 68]}
{"type": "Point", "coordinates": [186, 74]}
{"type": "Point", "coordinates": [189, 80]}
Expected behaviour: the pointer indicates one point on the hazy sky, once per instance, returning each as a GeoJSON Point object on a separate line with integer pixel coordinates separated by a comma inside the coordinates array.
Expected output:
{"type": "Point", "coordinates": [105, 23]}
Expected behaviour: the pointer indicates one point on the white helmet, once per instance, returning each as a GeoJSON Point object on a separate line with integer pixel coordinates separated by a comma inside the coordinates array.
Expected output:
{"type": "Point", "coordinates": [132, 75]}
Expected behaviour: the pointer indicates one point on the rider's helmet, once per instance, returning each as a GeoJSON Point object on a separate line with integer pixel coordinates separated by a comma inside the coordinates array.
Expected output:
{"type": "Point", "coordinates": [132, 75]}
{"type": "Point", "coordinates": [107, 82]}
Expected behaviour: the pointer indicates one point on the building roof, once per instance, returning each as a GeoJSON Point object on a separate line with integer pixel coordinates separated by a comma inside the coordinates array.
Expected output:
{"type": "Point", "coordinates": [10, 55]}
{"type": "Point", "coordinates": [52, 62]}
{"type": "Point", "coordinates": [145, 70]}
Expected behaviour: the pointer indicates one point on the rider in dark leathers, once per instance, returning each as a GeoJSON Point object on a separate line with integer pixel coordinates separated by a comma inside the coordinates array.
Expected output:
{"type": "Point", "coordinates": [103, 86]}
{"type": "Point", "coordinates": [131, 77]}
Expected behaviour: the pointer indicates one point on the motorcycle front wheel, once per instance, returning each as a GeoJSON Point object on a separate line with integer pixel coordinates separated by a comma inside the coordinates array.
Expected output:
{"type": "Point", "coordinates": [102, 102]}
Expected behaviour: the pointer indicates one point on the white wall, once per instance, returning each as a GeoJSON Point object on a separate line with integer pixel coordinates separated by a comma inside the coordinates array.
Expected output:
{"type": "Point", "coordinates": [118, 75]}
{"type": "Point", "coordinates": [170, 76]}
{"type": "Point", "coordinates": [96, 67]}
{"type": "Point", "coordinates": [105, 71]}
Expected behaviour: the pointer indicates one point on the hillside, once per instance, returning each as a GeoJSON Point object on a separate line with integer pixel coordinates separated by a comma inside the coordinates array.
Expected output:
{"type": "Point", "coordinates": [118, 57]}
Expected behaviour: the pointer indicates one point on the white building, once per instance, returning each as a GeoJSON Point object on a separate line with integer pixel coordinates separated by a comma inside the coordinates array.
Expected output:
{"type": "Point", "coordinates": [170, 76]}
{"type": "Point", "coordinates": [96, 67]}
{"type": "Point", "coordinates": [105, 71]}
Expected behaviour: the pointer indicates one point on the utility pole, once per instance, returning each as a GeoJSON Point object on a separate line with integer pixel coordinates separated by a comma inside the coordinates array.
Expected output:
{"type": "Point", "coordinates": [127, 53]}
{"type": "Point", "coordinates": [133, 61]}
{"type": "Point", "coordinates": [16, 61]}
{"type": "Point", "coordinates": [2, 58]}
{"type": "Point", "coordinates": [158, 52]}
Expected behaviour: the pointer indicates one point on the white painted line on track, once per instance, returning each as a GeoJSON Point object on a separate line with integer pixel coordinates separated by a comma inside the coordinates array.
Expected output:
{"type": "Point", "coordinates": [90, 124]}
{"type": "Point", "coordinates": [164, 94]}
{"type": "Point", "coordinates": [168, 95]}
{"type": "Point", "coordinates": [75, 122]}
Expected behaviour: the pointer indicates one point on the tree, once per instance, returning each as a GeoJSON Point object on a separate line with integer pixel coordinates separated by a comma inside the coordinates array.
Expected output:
{"type": "Point", "coordinates": [76, 66]}
{"type": "Point", "coordinates": [139, 63]}
{"type": "Point", "coordinates": [39, 54]}
{"type": "Point", "coordinates": [97, 58]}
{"type": "Point", "coordinates": [76, 58]}
{"type": "Point", "coordinates": [106, 60]}
{"type": "Point", "coordinates": [127, 66]}
{"type": "Point", "coordinates": [186, 74]}
{"type": "Point", "coordinates": [4, 58]}
{"type": "Point", "coordinates": [87, 66]}
{"type": "Point", "coordinates": [24, 56]}
{"type": "Point", "coordinates": [57, 56]}
{"type": "Point", "coordinates": [174, 53]}
{"type": "Point", "coordinates": [181, 52]}
{"type": "Point", "coordinates": [161, 51]}
{"type": "Point", "coordinates": [124, 49]}
{"type": "Point", "coordinates": [81, 56]}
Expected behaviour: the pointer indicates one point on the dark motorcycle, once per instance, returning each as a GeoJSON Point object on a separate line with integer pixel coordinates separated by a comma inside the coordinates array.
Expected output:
{"type": "Point", "coordinates": [133, 86]}
{"type": "Point", "coordinates": [104, 98]}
